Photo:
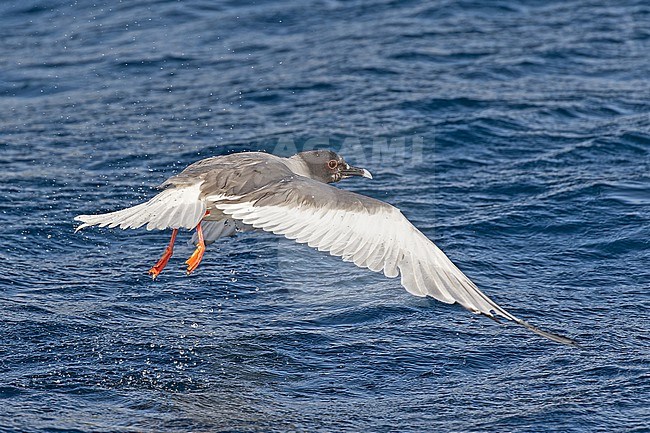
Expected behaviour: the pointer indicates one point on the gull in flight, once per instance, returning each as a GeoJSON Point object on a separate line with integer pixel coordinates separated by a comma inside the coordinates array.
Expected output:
{"type": "Point", "coordinates": [293, 197]}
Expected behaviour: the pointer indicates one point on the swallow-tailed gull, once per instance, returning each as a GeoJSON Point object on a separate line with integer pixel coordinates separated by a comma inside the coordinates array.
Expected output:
{"type": "Point", "coordinates": [223, 195]}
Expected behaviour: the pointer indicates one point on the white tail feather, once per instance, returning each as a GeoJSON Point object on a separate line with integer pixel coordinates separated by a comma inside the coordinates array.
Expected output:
{"type": "Point", "coordinates": [172, 208]}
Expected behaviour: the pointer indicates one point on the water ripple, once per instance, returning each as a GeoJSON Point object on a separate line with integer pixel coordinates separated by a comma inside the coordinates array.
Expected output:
{"type": "Point", "coordinates": [533, 178]}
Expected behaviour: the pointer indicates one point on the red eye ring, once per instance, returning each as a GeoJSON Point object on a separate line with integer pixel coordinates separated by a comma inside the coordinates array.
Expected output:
{"type": "Point", "coordinates": [332, 164]}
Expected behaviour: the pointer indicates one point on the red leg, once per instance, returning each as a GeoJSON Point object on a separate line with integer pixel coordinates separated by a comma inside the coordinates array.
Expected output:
{"type": "Point", "coordinates": [158, 267]}
{"type": "Point", "coordinates": [195, 258]}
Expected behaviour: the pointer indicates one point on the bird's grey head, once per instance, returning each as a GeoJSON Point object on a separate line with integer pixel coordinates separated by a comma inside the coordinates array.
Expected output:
{"type": "Point", "coordinates": [327, 166]}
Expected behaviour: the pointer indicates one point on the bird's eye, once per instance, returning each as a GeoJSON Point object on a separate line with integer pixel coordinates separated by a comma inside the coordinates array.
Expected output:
{"type": "Point", "coordinates": [332, 164]}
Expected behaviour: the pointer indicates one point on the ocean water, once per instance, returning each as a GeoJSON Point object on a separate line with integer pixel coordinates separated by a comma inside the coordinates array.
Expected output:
{"type": "Point", "coordinates": [516, 135]}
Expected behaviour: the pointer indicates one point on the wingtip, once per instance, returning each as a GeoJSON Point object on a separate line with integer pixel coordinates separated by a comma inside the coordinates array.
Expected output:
{"type": "Point", "coordinates": [551, 336]}
{"type": "Point", "coordinates": [82, 219]}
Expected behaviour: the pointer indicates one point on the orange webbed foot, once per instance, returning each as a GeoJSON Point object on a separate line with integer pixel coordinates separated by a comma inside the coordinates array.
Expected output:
{"type": "Point", "coordinates": [160, 265]}
{"type": "Point", "coordinates": [197, 255]}
{"type": "Point", "coordinates": [195, 259]}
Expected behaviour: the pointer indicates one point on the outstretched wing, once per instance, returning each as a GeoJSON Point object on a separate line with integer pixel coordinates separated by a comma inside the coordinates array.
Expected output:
{"type": "Point", "coordinates": [172, 208]}
{"type": "Point", "coordinates": [183, 203]}
{"type": "Point", "coordinates": [370, 233]}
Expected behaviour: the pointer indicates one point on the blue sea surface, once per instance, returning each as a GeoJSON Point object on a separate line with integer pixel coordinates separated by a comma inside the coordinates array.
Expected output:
{"type": "Point", "coordinates": [516, 135]}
